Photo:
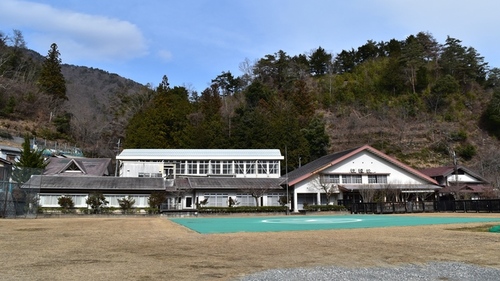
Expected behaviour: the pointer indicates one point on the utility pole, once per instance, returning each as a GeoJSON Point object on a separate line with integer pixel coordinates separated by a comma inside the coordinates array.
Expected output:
{"type": "Point", "coordinates": [116, 160]}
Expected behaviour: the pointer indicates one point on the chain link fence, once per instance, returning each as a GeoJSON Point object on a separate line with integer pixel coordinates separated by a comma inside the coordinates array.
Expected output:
{"type": "Point", "coordinates": [18, 197]}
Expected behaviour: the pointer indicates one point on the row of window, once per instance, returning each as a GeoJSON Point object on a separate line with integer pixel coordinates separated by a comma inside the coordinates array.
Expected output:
{"type": "Point", "coordinates": [353, 178]}
{"type": "Point", "coordinates": [149, 175]}
{"type": "Point", "coordinates": [51, 200]}
{"type": "Point", "coordinates": [141, 201]}
{"type": "Point", "coordinates": [242, 199]}
{"type": "Point", "coordinates": [215, 167]}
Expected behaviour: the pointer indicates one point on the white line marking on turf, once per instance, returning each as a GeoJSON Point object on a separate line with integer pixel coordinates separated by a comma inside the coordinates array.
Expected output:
{"type": "Point", "coordinates": [311, 221]}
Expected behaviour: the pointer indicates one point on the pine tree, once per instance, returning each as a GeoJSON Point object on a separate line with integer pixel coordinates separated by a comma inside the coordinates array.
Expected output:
{"type": "Point", "coordinates": [51, 80]}
{"type": "Point", "coordinates": [30, 163]}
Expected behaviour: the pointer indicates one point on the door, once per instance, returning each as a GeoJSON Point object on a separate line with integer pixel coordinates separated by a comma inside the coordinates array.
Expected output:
{"type": "Point", "coordinates": [189, 202]}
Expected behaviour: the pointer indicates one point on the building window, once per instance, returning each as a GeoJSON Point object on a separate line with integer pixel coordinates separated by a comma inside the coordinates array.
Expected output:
{"type": "Point", "coordinates": [274, 167]}
{"type": "Point", "coordinates": [52, 200]}
{"type": "Point", "coordinates": [216, 199]}
{"type": "Point", "coordinates": [149, 175]}
{"type": "Point", "coordinates": [245, 199]}
{"type": "Point", "coordinates": [261, 167]}
{"type": "Point", "coordinates": [192, 167]}
{"type": "Point", "coordinates": [180, 167]}
{"type": "Point", "coordinates": [140, 200]}
{"type": "Point", "coordinates": [377, 178]}
{"type": "Point", "coordinates": [239, 167]}
{"type": "Point", "coordinates": [351, 179]}
{"type": "Point", "coordinates": [273, 199]}
{"type": "Point", "coordinates": [250, 166]}
{"type": "Point", "coordinates": [215, 165]}
{"type": "Point", "coordinates": [330, 178]}
{"type": "Point", "coordinates": [227, 167]}
{"type": "Point", "coordinates": [204, 167]}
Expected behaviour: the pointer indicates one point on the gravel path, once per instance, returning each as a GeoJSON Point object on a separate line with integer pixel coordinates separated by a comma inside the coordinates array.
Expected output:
{"type": "Point", "coordinates": [450, 271]}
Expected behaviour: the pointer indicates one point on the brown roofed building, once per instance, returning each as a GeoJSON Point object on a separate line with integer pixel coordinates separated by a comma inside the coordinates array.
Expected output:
{"type": "Point", "coordinates": [460, 183]}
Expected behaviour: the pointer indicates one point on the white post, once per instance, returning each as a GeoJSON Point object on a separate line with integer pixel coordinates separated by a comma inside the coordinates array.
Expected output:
{"type": "Point", "coordinates": [295, 209]}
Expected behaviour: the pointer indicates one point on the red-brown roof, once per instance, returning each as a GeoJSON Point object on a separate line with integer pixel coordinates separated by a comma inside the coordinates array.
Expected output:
{"type": "Point", "coordinates": [324, 162]}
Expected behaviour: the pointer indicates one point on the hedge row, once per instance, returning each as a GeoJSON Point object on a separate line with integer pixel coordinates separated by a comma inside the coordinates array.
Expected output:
{"type": "Point", "coordinates": [242, 209]}
{"type": "Point", "coordinates": [323, 208]}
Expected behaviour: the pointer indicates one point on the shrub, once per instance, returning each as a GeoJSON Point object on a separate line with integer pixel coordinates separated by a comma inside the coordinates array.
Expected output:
{"type": "Point", "coordinates": [466, 151]}
{"type": "Point", "coordinates": [155, 200]}
{"type": "Point", "coordinates": [458, 136]}
{"type": "Point", "coordinates": [243, 209]}
{"type": "Point", "coordinates": [96, 201]}
{"type": "Point", "coordinates": [126, 204]}
{"type": "Point", "coordinates": [66, 204]}
{"type": "Point", "coordinates": [324, 208]}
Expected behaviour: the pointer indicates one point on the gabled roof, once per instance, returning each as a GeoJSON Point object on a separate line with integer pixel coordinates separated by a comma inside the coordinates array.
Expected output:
{"type": "Point", "coordinates": [90, 183]}
{"type": "Point", "coordinates": [446, 171]}
{"type": "Point", "coordinates": [78, 166]}
{"type": "Point", "coordinates": [200, 154]}
{"type": "Point", "coordinates": [324, 162]}
{"type": "Point", "coordinates": [466, 188]}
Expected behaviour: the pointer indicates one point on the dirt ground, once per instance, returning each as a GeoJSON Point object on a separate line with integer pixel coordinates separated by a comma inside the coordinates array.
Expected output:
{"type": "Point", "coordinates": [154, 248]}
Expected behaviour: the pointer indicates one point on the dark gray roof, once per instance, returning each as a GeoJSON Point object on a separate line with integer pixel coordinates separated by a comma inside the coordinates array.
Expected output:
{"type": "Point", "coordinates": [87, 166]}
{"type": "Point", "coordinates": [228, 183]}
{"type": "Point", "coordinates": [58, 182]}
{"type": "Point", "coordinates": [94, 183]}
{"type": "Point", "coordinates": [10, 149]}
{"type": "Point", "coordinates": [315, 165]}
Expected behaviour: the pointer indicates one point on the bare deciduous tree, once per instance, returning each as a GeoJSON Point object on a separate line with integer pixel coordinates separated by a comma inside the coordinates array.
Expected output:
{"type": "Point", "coordinates": [325, 187]}
{"type": "Point", "coordinates": [256, 192]}
{"type": "Point", "coordinates": [368, 193]}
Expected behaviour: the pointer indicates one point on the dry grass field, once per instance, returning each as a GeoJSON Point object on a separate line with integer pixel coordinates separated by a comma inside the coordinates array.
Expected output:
{"type": "Point", "coordinates": [154, 248]}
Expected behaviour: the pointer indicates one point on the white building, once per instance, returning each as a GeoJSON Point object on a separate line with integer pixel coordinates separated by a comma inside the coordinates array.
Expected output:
{"type": "Point", "coordinates": [172, 163]}
{"type": "Point", "coordinates": [215, 177]}
{"type": "Point", "coordinates": [346, 174]}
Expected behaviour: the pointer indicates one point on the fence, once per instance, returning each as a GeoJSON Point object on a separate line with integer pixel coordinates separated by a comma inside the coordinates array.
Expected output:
{"type": "Point", "coordinates": [17, 202]}
{"type": "Point", "coordinates": [484, 205]}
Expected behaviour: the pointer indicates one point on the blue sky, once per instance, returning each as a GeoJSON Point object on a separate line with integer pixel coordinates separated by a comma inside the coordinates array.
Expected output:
{"type": "Point", "coordinates": [193, 41]}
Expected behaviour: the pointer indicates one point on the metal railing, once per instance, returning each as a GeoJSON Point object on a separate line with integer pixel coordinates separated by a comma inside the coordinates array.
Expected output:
{"type": "Point", "coordinates": [467, 206]}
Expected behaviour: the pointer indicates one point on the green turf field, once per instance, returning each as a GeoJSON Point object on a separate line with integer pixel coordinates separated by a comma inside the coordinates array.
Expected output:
{"type": "Point", "coordinates": [298, 223]}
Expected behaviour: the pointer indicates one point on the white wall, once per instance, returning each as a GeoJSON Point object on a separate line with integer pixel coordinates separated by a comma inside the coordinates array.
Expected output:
{"type": "Point", "coordinates": [367, 161]}
{"type": "Point", "coordinates": [50, 200]}
{"type": "Point", "coordinates": [132, 169]}
{"type": "Point", "coordinates": [461, 178]}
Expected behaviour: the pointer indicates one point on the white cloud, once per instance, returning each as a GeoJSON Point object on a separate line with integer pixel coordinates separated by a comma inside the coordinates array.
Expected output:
{"type": "Point", "coordinates": [165, 55]}
{"type": "Point", "coordinates": [79, 36]}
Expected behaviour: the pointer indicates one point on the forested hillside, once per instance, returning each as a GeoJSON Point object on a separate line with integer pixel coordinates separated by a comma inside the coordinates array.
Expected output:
{"type": "Point", "coordinates": [417, 99]}
{"type": "Point", "coordinates": [85, 114]}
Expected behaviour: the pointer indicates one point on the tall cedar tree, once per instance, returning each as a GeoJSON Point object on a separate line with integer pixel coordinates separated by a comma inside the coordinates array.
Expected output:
{"type": "Point", "coordinates": [30, 163]}
{"type": "Point", "coordinates": [51, 80]}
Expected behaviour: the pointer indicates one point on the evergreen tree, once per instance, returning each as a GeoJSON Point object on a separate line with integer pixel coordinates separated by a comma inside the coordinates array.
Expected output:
{"type": "Point", "coordinates": [96, 201]}
{"type": "Point", "coordinates": [490, 119]}
{"type": "Point", "coordinates": [51, 80]}
{"type": "Point", "coordinates": [30, 163]}
{"type": "Point", "coordinates": [163, 122]}
{"type": "Point", "coordinates": [320, 62]}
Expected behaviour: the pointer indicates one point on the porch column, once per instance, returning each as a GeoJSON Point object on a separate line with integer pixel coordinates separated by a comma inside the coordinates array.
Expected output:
{"type": "Point", "coordinates": [295, 209]}
{"type": "Point", "coordinates": [318, 198]}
